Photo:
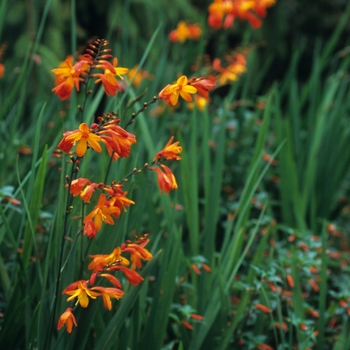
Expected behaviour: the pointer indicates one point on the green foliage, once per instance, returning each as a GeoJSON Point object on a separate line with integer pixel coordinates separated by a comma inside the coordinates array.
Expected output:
{"type": "Point", "coordinates": [262, 198]}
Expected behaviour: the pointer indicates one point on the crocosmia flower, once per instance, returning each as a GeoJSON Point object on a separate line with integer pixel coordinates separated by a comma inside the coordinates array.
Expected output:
{"type": "Point", "coordinates": [202, 85]}
{"type": "Point", "coordinates": [222, 13]}
{"type": "Point", "coordinates": [107, 294]}
{"type": "Point", "coordinates": [101, 260]}
{"type": "Point", "coordinates": [236, 65]}
{"type": "Point", "coordinates": [185, 31]}
{"type": "Point", "coordinates": [68, 76]}
{"type": "Point", "coordinates": [138, 252]}
{"type": "Point", "coordinates": [101, 213]}
{"type": "Point", "coordinates": [166, 179]}
{"type": "Point", "coordinates": [116, 139]}
{"type": "Point", "coordinates": [118, 198]}
{"type": "Point", "coordinates": [172, 92]}
{"type": "Point", "coordinates": [171, 151]}
{"type": "Point", "coordinates": [68, 319]}
{"type": "Point", "coordinates": [132, 276]}
{"type": "Point", "coordinates": [83, 136]}
{"type": "Point", "coordinates": [108, 77]}
{"type": "Point", "coordinates": [2, 70]}
{"type": "Point", "coordinates": [80, 290]}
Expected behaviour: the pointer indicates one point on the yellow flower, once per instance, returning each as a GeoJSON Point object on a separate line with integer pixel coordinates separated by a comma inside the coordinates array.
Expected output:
{"type": "Point", "coordinates": [80, 290]}
{"type": "Point", "coordinates": [83, 136]}
{"type": "Point", "coordinates": [172, 92]}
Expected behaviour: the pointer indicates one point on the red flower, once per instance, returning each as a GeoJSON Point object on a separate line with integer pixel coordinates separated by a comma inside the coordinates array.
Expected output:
{"type": "Point", "coordinates": [202, 85]}
{"type": "Point", "coordinates": [166, 180]}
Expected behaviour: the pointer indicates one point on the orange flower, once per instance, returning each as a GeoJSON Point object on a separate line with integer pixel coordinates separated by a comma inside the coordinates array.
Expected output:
{"type": "Point", "coordinates": [2, 70]}
{"type": "Point", "coordinates": [86, 194]}
{"type": "Point", "coordinates": [236, 66]}
{"type": "Point", "coordinates": [283, 326]}
{"type": "Point", "coordinates": [83, 136]}
{"type": "Point", "coordinates": [112, 279]}
{"type": "Point", "coordinates": [185, 31]}
{"type": "Point", "coordinates": [68, 76]}
{"type": "Point", "coordinates": [202, 85]}
{"type": "Point", "coordinates": [303, 326]}
{"type": "Point", "coordinates": [172, 92]}
{"type": "Point", "coordinates": [136, 75]}
{"type": "Point", "coordinates": [80, 290]}
{"type": "Point", "coordinates": [195, 269]}
{"type": "Point", "coordinates": [116, 140]}
{"type": "Point", "coordinates": [200, 102]}
{"type": "Point", "coordinates": [187, 325]}
{"type": "Point", "coordinates": [206, 267]}
{"type": "Point", "coordinates": [107, 78]}
{"type": "Point", "coordinates": [290, 281]}
{"type": "Point", "coordinates": [263, 308]}
{"type": "Point", "coordinates": [224, 12]}
{"type": "Point", "coordinates": [166, 180]}
{"type": "Point", "coordinates": [77, 185]}
{"type": "Point", "coordinates": [102, 260]}
{"type": "Point", "coordinates": [170, 151]}
{"type": "Point", "coordinates": [68, 319]}
{"type": "Point", "coordinates": [314, 285]}
{"type": "Point", "coordinates": [137, 252]}
{"type": "Point", "coordinates": [131, 275]}
{"type": "Point", "coordinates": [118, 198]}
{"type": "Point", "coordinates": [89, 229]}
{"type": "Point", "coordinates": [107, 294]}
{"type": "Point", "coordinates": [313, 313]}
{"type": "Point", "coordinates": [102, 213]}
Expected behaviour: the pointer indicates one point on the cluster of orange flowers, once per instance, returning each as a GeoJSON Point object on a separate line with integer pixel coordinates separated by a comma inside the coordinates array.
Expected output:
{"type": "Point", "coordinates": [98, 63]}
{"type": "Point", "coordinates": [184, 32]}
{"type": "Point", "coordinates": [185, 87]}
{"type": "Point", "coordinates": [222, 13]}
{"type": "Point", "coordinates": [102, 266]}
{"type": "Point", "coordinates": [69, 76]}
{"type": "Point", "coordinates": [234, 66]}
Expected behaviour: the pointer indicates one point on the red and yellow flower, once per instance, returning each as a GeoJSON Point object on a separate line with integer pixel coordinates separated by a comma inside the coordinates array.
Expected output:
{"type": "Point", "coordinates": [171, 151]}
{"type": "Point", "coordinates": [101, 260]}
{"type": "Point", "coordinates": [116, 139]}
{"type": "Point", "coordinates": [81, 291]}
{"type": "Point", "coordinates": [138, 252]}
{"type": "Point", "coordinates": [68, 319]}
{"type": "Point", "coordinates": [166, 179]}
{"type": "Point", "coordinates": [108, 77]}
{"type": "Point", "coordinates": [68, 76]}
{"type": "Point", "coordinates": [185, 31]}
{"type": "Point", "coordinates": [101, 213]}
{"type": "Point", "coordinates": [84, 137]}
{"type": "Point", "coordinates": [108, 293]}
{"type": "Point", "coordinates": [222, 13]}
{"type": "Point", "coordinates": [172, 92]}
